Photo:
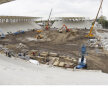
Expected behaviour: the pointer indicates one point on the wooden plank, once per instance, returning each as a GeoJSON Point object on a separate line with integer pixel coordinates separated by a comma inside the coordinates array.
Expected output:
{"type": "Point", "coordinates": [44, 54]}
{"type": "Point", "coordinates": [53, 54]}
{"type": "Point", "coordinates": [61, 64]}
{"type": "Point", "coordinates": [56, 63]}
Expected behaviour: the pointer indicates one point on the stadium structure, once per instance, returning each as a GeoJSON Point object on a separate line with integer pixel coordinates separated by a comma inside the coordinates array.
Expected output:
{"type": "Point", "coordinates": [16, 23]}
{"type": "Point", "coordinates": [74, 22]}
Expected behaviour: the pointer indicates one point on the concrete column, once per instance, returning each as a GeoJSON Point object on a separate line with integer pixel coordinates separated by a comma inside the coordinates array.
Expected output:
{"type": "Point", "coordinates": [23, 19]}
{"type": "Point", "coordinates": [18, 20]}
{"type": "Point", "coordinates": [6, 20]}
{"type": "Point", "coordinates": [0, 20]}
{"type": "Point", "coordinates": [11, 20]}
{"type": "Point", "coordinates": [14, 20]}
{"type": "Point", "coordinates": [26, 20]}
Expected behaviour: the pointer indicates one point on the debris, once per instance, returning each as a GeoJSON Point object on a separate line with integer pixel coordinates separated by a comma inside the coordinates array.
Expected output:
{"type": "Point", "coordinates": [61, 64]}
{"type": "Point", "coordinates": [51, 60]}
{"type": "Point", "coordinates": [34, 61]}
{"type": "Point", "coordinates": [67, 65]}
{"type": "Point", "coordinates": [44, 54]}
{"type": "Point", "coordinates": [68, 59]}
{"type": "Point", "coordinates": [20, 45]}
{"type": "Point", "coordinates": [53, 54]}
{"type": "Point", "coordinates": [56, 63]}
{"type": "Point", "coordinates": [40, 59]}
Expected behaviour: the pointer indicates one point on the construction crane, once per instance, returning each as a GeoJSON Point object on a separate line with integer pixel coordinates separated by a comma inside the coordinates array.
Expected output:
{"type": "Point", "coordinates": [66, 28]}
{"type": "Point", "coordinates": [90, 35]}
{"type": "Point", "coordinates": [47, 24]}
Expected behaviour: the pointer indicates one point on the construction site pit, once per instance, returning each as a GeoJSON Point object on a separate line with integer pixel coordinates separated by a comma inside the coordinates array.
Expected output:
{"type": "Point", "coordinates": [56, 49]}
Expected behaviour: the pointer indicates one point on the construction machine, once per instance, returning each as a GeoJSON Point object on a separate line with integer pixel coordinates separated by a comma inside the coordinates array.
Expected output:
{"type": "Point", "coordinates": [47, 26]}
{"type": "Point", "coordinates": [19, 32]}
{"type": "Point", "coordinates": [90, 35]}
{"type": "Point", "coordinates": [39, 36]}
{"type": "Point", "coordinates": [39, 31]}
{"type": "Point", "coordinates": [82, 61]}
{"type": "Point", "coordinates": [64, 27]}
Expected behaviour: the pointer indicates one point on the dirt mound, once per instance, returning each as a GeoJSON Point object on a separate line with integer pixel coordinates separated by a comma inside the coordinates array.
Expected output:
{"type": "Point", "coordinates": [59, 38]}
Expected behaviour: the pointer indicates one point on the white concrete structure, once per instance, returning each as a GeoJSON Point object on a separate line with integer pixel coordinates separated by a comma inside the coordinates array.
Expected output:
{"type": "Point", "coordinates": [74, 22]}
{"type": "Point", "coordinates": [16, 23]}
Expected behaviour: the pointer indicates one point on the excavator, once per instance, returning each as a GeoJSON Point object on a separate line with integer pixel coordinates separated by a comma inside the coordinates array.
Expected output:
{"type": "Point", "coordinates": [90, 35]}
{"type": "Point", "coordinates": [39, 36]}
{"type": "Point", "coordinates": [64, 27]}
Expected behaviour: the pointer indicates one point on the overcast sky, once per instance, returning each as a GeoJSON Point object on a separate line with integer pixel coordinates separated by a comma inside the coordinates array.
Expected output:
{"type": "Point", "coordinates": [41, 8]}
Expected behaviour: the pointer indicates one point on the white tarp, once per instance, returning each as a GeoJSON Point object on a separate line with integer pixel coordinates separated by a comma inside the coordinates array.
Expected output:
{"type": "Point", "coordinates": [34, 61]}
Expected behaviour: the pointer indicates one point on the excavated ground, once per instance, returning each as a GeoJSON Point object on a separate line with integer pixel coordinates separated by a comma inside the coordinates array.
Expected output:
{"type": "Point", "coordinates": [63, 43]}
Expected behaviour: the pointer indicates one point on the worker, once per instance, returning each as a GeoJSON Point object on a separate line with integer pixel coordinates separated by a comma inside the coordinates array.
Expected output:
{"type": "Point", "coordinates": [19, 54]}
{"type": "Point", "coordinates": [67, 30]}
{"type": "Point", "coordinates": [33, 53]}
{"type": "Point", "coordinates": [24, 54]}
{"type": "Point", "coordinates": [47, 27]}
{"type": "Point", "coordinates": [6, 52]}
{"type": "Point", "coordinates": [9, 54]}
{"type": "Point", "coordinates": [83, 50]}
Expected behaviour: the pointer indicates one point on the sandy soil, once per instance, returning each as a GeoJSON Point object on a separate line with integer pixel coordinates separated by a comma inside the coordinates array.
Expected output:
{"type": "Point", "coordinates": [19, 72]}
{"type": "Point", "coordinates": [62, 43]}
